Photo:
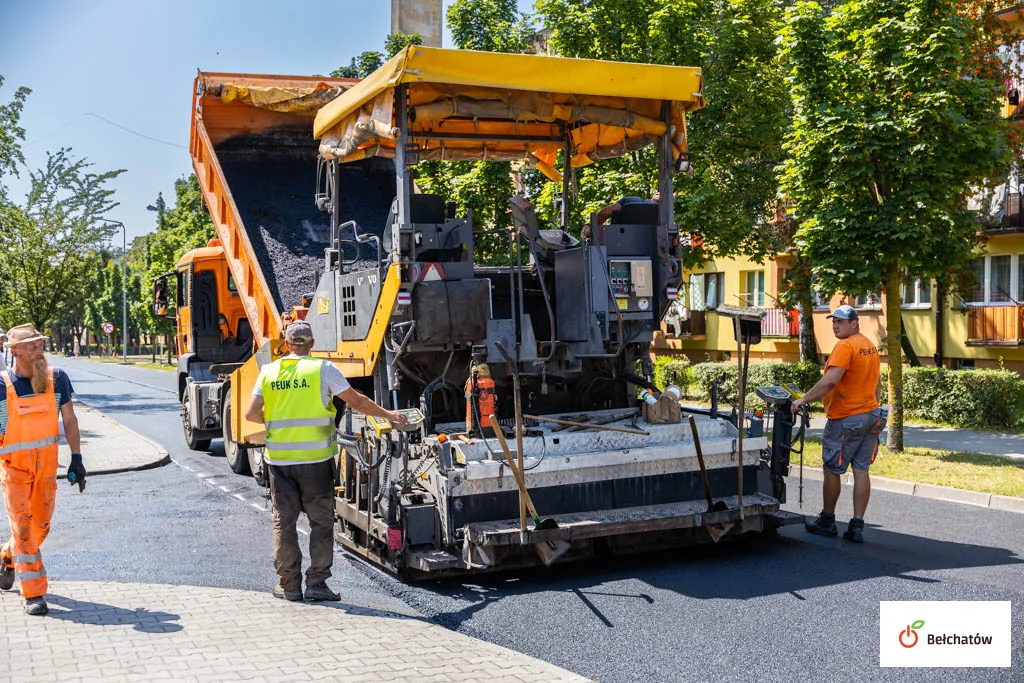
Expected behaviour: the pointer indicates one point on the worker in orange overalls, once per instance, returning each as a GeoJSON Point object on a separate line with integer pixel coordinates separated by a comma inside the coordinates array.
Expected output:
{"type": "Point", "coordinates": [31, 396]}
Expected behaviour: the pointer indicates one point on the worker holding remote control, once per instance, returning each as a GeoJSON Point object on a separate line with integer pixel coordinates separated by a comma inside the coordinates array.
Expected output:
{"type": "Point", "coordinates": [293, 397]}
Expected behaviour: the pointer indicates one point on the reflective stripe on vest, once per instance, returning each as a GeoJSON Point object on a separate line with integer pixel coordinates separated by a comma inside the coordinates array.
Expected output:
{"type": "Point", "coordinates": [300, 422]}
{"type": "Point", "coordinates": [28, 445]}
{"type": "Point", "coordinates": [26, 559]}
{"type": "Point", "coordinates": [299, 427]}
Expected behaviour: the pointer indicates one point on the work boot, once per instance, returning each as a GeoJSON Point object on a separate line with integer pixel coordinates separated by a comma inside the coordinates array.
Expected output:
{"type": "Point", "coordinates": [855, 530]}
{"type": "Point", "coordinates": [6, 572]}
{"type": "Point", "coordinates": [291, 596]}
{"type": "Point", "coordinates": [321, 591]}
{"type": "Point", "coordinates": [37, 607]}
{"type": "Point", "coordinates": [823, 525]}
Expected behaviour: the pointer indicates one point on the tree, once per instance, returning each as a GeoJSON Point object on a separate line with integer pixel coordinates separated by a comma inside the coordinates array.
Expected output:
{"type": "Point", "coordinates": [11, 133]}
{"type": "Point", "coordinates": [396, 42]}
{"type": "Point", "coordinates": [896, 120]}
{"type": "Point", "coordinates": [490, 25]}
{"type": "Point", "coordinates": [735, 141]}
{"type": "Point", "coordinates": [49, 247]}
{"type": "Point", "coordinates": [181, 228]}
{"type": "Point", "coordinates": [360, 67]}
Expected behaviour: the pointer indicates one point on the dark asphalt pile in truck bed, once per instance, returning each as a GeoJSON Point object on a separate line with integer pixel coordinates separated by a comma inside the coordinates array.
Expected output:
{"type": "Point", "coordinates": [272, 178]}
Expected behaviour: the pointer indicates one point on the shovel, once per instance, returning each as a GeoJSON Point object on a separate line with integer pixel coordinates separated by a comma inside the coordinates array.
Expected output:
{"type": "Point", "coordinates": [549, 551]}
{"type": "Point", "coordinates": [714, 530]}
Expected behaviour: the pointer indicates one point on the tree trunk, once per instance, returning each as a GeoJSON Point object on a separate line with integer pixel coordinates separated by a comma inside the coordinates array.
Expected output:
{"type": "Point", "coordinates": [894, 345]}
{"type": "Point", "coordinates": [808, 342]}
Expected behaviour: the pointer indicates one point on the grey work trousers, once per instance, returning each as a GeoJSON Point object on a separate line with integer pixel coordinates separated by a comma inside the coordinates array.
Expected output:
{"type": "Point", "coordinates": [308, 488]}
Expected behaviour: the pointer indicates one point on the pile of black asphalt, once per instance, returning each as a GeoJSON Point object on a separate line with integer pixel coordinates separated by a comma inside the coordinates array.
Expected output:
{"type": "Point", "coordinates": [273, 181]}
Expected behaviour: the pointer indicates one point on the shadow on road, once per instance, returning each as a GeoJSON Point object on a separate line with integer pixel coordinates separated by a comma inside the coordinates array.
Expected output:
{"type": "Point", "coordinates": [738, 570]}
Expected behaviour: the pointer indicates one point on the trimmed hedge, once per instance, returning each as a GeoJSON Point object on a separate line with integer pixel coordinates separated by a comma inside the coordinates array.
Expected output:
{"type": "Point", "coordinates": [672, 370]}
{"type": "Point", "coordinates": [804, 374]}
{"type": "Point", "coordinates": [962, 398]}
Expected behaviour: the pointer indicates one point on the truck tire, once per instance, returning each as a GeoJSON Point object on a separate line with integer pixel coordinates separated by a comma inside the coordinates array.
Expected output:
{"type": "Point", "coordinates": [258, 466]}
{"type": "Point", "coordinates": [186, 419]}
{"type": "Point", "coordinates": [238, 457]}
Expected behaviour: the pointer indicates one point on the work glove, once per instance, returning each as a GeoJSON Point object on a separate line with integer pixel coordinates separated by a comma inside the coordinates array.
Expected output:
{"type": "Point", "coordinates": [76, 472]}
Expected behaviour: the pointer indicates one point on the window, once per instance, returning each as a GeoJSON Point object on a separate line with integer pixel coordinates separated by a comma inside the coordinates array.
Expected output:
{"type": "Point", "coordinates": [916, 293]}
{"type": "Point", "coordinates": [707, 291]}
{"type": "Point", "coordinates": [753, 288]}
{"type": "Point", "coordinates": [999, 278]}
{"type": "Point", "coordinates": [869, 300]}
{"type": "Point", "coordinates": [996, 278]}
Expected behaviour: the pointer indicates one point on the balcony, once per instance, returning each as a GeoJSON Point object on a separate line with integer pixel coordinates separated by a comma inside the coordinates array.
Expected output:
{"type": "Point", "coordinates": [995, 326]}
{"type": "Point", "coordinates": [694, 326]}
{"type": "Point", "coordinates": [1012, 220]}
{"type": "Point", "coordinates": [778, 323]}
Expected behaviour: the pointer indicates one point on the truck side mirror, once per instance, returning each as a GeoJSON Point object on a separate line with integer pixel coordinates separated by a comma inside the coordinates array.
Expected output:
{"type": "Point", "coordinates": [160, 297]}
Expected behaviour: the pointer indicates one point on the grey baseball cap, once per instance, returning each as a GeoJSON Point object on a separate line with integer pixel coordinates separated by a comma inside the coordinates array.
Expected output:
{"type": "Point", "coordinates": [299, 331]}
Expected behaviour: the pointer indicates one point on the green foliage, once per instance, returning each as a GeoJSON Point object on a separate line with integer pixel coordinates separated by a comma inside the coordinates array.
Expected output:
{"type": "Point", "coordinates": [896, 121]}
{"type": "Point", "coordinates": [396, 42]}
{"type": "Point", "coordinates": [180, 228]}
{"type": "Point", "coordinates": [360, 67]}
{"type": "Point", "coordinates": [704, 374]}
{"type": "Point", "coordinates": [803, 374]}
{"type": "Point", "coordinates": [11, 133]}
{"type": "Point", "coordinates": [964, 398]}
{"type": "Point", "coordinates": [52, 244]}
{"type": "Point", "coordinates": [735, 141]}
{"type": "Point", "coordinates": [490, 25]}
{"type": "Point", "coordinates": [672, 370]}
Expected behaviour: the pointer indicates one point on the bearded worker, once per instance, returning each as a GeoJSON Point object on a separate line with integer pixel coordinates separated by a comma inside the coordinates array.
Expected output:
{"type": "Point", "coordinates": [33, 395]}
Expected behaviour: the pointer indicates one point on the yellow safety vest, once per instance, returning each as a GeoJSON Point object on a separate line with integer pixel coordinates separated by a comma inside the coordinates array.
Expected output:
{"type": "Point", "coordinates": [299, 427]}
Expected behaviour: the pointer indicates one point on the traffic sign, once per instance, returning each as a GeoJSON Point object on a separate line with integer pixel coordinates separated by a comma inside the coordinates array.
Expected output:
{"type": "Point", "coordinates": [108, 328]}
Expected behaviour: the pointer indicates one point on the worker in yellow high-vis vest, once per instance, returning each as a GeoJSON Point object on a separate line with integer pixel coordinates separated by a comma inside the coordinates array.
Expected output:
{"type": "Point", "coordinates": [293, 398]}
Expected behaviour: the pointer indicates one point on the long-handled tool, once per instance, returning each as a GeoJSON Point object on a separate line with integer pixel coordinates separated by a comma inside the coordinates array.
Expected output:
{"type": "Point", "coordinates": [518, 407]}
{"type": "Point", "coordinates": [715, 531]}
{"type": "Point", "coordinates": [712, 506]}
{"type": "Point", "coordinates": [549, 551]}
{"type": "Point", "coordinates": [587, 425]}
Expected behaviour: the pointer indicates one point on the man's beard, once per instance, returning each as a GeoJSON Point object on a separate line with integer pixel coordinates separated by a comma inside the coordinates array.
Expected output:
{"type": "Point", "coordinates": [40, 374]}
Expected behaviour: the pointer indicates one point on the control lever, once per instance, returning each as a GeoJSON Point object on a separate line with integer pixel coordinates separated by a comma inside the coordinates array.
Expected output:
{"type": "Point", "coordinates": [805, 421]}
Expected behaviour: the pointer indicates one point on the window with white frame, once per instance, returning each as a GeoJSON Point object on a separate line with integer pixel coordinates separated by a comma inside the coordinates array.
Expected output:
{"type": "Point", "coordinates": [996, 279]}
{"type": "Point", "coordinates": [869, 300]}
{"type": "Point", "coordinates": [707, 291]}
{"type": "Point", "coordinates": [753, 288]}
{"type": "Point", "coordinates": [916, 293]}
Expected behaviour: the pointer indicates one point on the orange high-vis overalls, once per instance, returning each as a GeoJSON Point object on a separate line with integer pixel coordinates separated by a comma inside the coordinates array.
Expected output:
{"type": "Point", "coordinates": [28, 476]}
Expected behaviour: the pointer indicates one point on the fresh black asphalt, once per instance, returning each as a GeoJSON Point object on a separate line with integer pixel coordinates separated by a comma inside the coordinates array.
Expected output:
{"type": "Point", "coordinates": [797, 608]}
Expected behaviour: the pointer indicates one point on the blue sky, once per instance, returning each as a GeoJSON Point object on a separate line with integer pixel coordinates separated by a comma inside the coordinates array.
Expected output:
{"type": "Point", "coordinates": [98, 67]}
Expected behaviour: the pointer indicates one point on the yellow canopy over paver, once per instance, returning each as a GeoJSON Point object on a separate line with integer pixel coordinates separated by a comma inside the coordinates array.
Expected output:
{"type": "Point", "coordinates": [468, 105]}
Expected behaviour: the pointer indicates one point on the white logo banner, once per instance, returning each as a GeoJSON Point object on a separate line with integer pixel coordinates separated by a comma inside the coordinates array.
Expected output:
{"type": "Point", "coordinates": [944, 633]}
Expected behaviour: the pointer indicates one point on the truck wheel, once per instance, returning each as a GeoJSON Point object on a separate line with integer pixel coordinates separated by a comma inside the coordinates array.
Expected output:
{"type": "Point", "coordinates": [190, 436]}
{"type": "Point", "coordinates": [238, 458]}
{"type": "Point", "coordinates": [258, 466]}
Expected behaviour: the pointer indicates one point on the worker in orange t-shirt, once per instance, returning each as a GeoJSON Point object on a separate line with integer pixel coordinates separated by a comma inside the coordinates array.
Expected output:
{"type": "Point", "coordinates": [849, 391]}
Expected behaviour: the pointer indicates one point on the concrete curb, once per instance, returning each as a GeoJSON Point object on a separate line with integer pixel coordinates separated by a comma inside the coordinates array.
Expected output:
{"type": "Point", "coordinates": [164, 458]}
{"type": "Point", "coordinates": [910, 488]}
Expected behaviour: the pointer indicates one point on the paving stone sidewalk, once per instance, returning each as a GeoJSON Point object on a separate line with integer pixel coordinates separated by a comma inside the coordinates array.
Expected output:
{"type": "Point", "coordinates": [107, 631]}
{"type": "Point", "coordinates": [109, 447]}
{"type": "Point", "coordinates": [144, 632]}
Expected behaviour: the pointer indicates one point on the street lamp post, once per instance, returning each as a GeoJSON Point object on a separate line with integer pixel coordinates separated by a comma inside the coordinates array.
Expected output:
{"type": "Point", "coordinates": [124, 288]}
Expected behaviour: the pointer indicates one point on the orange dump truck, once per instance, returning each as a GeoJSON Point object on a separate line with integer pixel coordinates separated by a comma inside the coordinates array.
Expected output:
{"type": "Point", "coordinates": [522, 378]}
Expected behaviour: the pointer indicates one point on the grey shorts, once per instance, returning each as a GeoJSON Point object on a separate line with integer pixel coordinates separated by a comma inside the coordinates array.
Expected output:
{"type": "Point", "coordinates": [850, 441]}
